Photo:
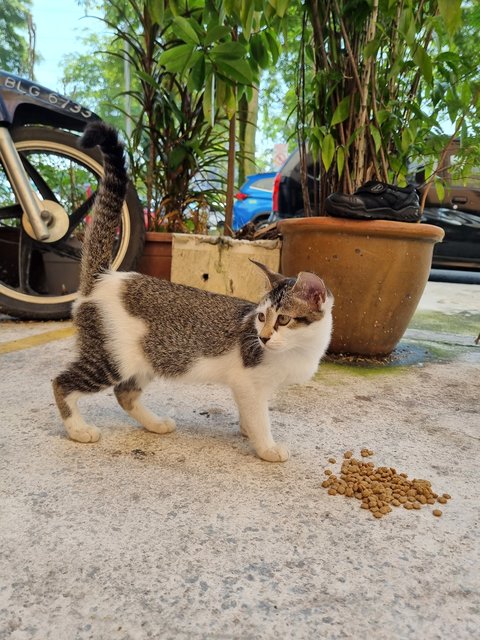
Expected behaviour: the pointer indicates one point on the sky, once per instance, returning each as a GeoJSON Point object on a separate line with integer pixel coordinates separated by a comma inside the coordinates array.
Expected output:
{"type": "Point", "coordinates": [60, 25]}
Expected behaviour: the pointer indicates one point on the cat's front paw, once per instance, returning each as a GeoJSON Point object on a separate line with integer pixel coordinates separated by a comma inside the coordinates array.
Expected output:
{"type": "Point", "coordinates": [277, 453]}
{"type": "Point", "coordinates": [83, 432]}
{"type": "Point", "coordinates": [162, 426]}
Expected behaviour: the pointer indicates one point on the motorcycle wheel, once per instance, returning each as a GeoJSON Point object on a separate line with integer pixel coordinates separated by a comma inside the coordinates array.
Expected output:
{"type": "Point", "coordinates": [39, 280]}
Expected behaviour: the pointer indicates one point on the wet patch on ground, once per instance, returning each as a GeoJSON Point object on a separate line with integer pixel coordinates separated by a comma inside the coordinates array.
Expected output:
{"type": "Point", "coordinates": [432, 337]}
{"type": "Point", "coordinates": [464, 323]}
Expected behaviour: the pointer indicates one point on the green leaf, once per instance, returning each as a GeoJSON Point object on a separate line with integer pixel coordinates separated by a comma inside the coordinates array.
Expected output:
{"type": "Point", "coordinates": [197, 74]}
{"type": "Point", "coordinates": [235, 70]}
{"type": "Point", "coordinates": [220, 92]}
{"type": "Point", "coordinates": [147, 78]}
{"type": "Point", "coordinates": [424, 62]}
{"type": "Point", "coordinates": [377, 138]}
{"type": "Point", "coordinates": [232, 7]}
{"type": "Point", "coordinates": [440, 189]}
{"type": "Point", "coordinates": [172, 5]}
{"type": "Point", "coordinates": [259, 51]}
{"type": "Point", "coordinates": [281, 7]}
{"type": "Point", "coordinates": [215, 33]}
{"type": "Point", "coordinates": [176, 157]}
{"type": "Point", "coordinates": [208, 98]}
{"type": "Point", "coordinates": [232, 50]}
{"type": "Point", "coordinates": [465, 92]}
{"type": "Point", "coordinates": [176, 59]}
{"type": "Point", "coordinates": [156, 10]}
{"type": "Point", "coordinates": [230, 103]}
{"type": "Point", "coordinates": [190, 224]}
{"type": "Point", "coordinates": [340, 161]}
{"type": "Point", "coordinates": [383, 115]}
{"type": "Point", "coordinates": [273, 46]}
{"type": "Point", "coordinates": [341, 112]}
{"type": "Point", "coordinates": [407, 26]}
{"type": "Point", "coordinates": [248, 9]}
{"type": "Point", "coordinates": [451, 14]}
{"type": "Point", "coordinates": [370, 48]}
{"type": "Point", "coordinates": [406, 140]}
{"type": "Point", "coordinates": [184, 30]}
{"type": "Point", "coordinates": [328, 151]}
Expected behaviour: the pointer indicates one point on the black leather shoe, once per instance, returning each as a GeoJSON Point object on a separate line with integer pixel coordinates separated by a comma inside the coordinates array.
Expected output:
{"type": "Point", "coordinates": [377, 201]}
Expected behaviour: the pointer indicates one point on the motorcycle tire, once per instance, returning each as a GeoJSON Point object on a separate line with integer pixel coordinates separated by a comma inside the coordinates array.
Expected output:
{"type": "Point", "coordinates": [39, 280]}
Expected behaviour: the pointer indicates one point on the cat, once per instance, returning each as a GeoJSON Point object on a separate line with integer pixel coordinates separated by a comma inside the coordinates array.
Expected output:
{"type": "Point", "coordinates": [132, 327]}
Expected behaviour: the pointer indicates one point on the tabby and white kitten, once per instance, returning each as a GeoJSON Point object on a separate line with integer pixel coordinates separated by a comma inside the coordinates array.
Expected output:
{"type": "Point", "coordinates": [132, 327]}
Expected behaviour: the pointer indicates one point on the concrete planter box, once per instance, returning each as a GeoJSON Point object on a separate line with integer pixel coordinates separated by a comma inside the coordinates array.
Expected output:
{"type": "Point", "coordinates": [221, 265]}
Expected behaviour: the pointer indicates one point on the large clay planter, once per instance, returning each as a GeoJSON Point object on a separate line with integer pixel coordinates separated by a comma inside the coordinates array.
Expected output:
{"type": "Point", "coordinates": [156, 259]}
{"type": "Point", "coordinates": [377, 271]}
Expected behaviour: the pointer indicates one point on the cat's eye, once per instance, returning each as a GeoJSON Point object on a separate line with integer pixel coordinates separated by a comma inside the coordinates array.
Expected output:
{"type": "Point", "coordinates": [261, 317]}
{"type": "Point", "coordinates": [283, 320]}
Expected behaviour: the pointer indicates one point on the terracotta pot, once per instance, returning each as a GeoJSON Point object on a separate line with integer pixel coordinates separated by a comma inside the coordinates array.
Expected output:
{"type": "Point", "coordinates": [156, 259]}
{"type": "Point", "coordinates": [377, 271]}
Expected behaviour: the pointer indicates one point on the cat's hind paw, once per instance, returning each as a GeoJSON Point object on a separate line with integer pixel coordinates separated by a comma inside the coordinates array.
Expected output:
{"type": "Point", "coordinates": [83, 432]}
{"type": "Point", "coordinates": [161, 425]}
{"type": "Point", "coordinates": [277, 453]}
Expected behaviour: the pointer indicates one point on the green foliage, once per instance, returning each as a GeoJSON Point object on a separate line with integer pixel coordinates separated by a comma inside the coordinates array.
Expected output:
{"type": "Point", "coordinates": [221, 45]}
{"type": "Point", "coordinates": [14, 52]}
{"type": "Point", "coordinates": [191, 63]}
{"type": "Point", "coordinates": [387, 84]}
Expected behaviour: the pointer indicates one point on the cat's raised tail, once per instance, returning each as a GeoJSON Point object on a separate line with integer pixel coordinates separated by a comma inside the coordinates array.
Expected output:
{"type": "Point", "coordinates": [100, 235]}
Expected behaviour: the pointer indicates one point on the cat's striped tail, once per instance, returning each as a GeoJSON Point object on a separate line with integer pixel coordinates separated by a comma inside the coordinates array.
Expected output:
{"type": "Point", "coordinates": [107, 209]}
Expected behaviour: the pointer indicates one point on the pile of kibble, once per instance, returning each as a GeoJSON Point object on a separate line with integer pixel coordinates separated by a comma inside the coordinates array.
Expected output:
{"type": "Point", "coordinates": [380, 488]}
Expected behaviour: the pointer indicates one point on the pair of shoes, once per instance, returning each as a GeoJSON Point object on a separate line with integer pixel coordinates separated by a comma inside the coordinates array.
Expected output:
{"type": "Point", "coordinates": [376, 201]}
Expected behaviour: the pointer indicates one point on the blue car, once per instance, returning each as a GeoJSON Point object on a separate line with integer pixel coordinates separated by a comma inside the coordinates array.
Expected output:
{"type": "Point", "coordinates": [253, 203]}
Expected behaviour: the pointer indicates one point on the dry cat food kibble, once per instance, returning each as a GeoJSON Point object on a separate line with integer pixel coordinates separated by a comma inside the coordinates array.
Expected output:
{"type": "Point", "coordinates": [380, 488]}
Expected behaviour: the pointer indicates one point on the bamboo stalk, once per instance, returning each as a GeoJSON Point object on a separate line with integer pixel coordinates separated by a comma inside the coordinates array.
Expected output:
{"type": "Point", "coordinates": [230, 177]}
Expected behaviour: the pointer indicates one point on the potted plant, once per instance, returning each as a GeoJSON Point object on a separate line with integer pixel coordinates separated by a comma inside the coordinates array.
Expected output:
{"type": "Point", "coordinates": [191, 64]}
{"type": "Point", "coordinates": [377, 81]}
{"type": "Point", "coordinates": [172, 145]}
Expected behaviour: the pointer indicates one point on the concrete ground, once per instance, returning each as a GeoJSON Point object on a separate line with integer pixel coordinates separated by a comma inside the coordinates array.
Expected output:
{"type": "Point", "coordinates": [190, 536]}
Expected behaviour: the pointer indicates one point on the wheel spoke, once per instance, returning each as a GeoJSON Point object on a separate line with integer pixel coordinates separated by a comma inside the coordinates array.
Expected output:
{"type": "Point", "coordinates": [79, 214]}
{"type": "Point", "coordinates": [25, 248]}
{"type": "Point", "coordinates": [62, 248]}
{"type": "Point", "coordinates": [39, 182]}
{"type": "Point", "coordinates": [13, 211]}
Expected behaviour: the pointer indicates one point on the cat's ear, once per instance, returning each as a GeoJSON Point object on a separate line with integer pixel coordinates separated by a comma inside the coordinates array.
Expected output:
{"type": "Point", "coordinates": [311, 289]}
{"type": "Point", "coordinates": [273, 278]}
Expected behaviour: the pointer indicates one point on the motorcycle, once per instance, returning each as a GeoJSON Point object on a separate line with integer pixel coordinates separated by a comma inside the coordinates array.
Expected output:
{"type": "Point", "coordinates": [47, 189]}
